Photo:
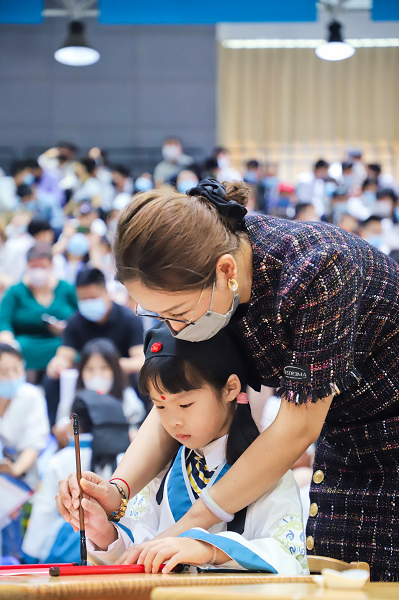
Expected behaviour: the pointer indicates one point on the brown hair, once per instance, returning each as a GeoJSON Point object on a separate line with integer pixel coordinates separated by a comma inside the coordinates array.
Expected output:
{"type": "Point", "coordinates": [170, 241]}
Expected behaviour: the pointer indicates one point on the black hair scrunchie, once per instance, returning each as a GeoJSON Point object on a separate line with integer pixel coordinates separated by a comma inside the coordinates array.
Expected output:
{"type": "Point", "coordinates": [215, 192]}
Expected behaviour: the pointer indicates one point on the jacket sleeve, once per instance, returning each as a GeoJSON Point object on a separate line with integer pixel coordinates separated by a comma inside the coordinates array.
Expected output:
{"type": "Point", "coordinates": [140, 524]}
{"type": "Point", "coordinates": [273, 540]}
{"type": "Point", "coordinates": [318, 303]}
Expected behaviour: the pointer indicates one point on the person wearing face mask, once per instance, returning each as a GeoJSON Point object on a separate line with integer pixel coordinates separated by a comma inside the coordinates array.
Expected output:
{"type": "Point", "coordinates": [143, 183]}
{"type": "Point", "coordinates": [20, 175]}
{"type": "Point", "coordinates": [68, 264]}
{"type": "Point", "coordinates": [225, 171]}
{"type": "Point", "coordinates": [387, 208]}
{"type": "Point", "coordinates": [24, 429]}
{"type": "Point", "coordinates": [362, 206]}
{"type": "Point", "coordinates": [27, 199]}
{"type": "Point", "coordinates": [46, 184]}
{"type": "Point", "coordinates": [100, 371]}
{"type": "Point", "coordinates": [90, 188]}
{"type": "Point", "coordinates": [97, 317]}
{"type": "Point", "coordinates": [317, 311]}
{"type": "Point", "coordinates": [371, 230]}
{"type": "Point", "coordinates": [369, 192]}
{"type": "Point", "coordinates": [186, 180]}
{"type": "Point", "coordinates": [33, 311]}
{"type": "Point", "coordinates": [174, 160]}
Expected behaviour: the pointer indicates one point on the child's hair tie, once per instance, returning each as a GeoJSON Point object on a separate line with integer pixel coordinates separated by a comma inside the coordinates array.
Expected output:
{"type": "Point", "coordinates": [242, 398]}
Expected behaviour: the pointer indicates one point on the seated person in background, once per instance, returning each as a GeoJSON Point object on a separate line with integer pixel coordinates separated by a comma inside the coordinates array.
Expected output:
{"type": "Point", "coordinates": [371, 230]}
{"type": "Point", "coordinates": [143, 183]}
{"type": "Point", "coordinates": [225, 172]}
{"type": "Point", "coordinates": [33, 311]}
{"type": "Point", "coordinates": [305, 211]}
{"type": "Point", "coordinates": [387, 207]}
{"type": "Point", "coordinates": [27, 200]}
{"type": "Point", "coordinates": [41, 231]}
{"type": "Point", "coordinates": [73, 260]}
{"type": "Point", "coordinates": [24, 429]}
{"type": "Point", "coordinates": [173, 161]}
{"type": "Point", "coordinates": [8, 185]}
{"type": "Point", "coordinates": [97, 317]}
{"type": "Point", "coordinates": [186, 180]}
{"type": "Point", "coordinates": [121, 180]}
{"type": "Point", "coordinates": [90, 188]}
{"type": "Point", "coordinates": [13, 253]}
{"type": "Point", "coordinates": [188, 383]}
{"type": "Point", "coordinates": [348, 223]}
{"type": "Point", "coordinates": [99, 370]}
{"type": "Point", "coordinates": [24, 425]}
{"type": "Point", "coordinates": [48, 538]}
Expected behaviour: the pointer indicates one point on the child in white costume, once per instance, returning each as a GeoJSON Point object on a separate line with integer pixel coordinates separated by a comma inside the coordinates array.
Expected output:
{"type": "Point", "coordinates": [197, 391]}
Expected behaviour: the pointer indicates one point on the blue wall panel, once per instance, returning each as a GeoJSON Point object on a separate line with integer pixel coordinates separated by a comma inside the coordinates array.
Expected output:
{"type": "Point", "coordinates": [21, 11]}
{"type": "Point", "coordinates": [385, 10]}
{"type": "Point", "coordinates": [133, 12]}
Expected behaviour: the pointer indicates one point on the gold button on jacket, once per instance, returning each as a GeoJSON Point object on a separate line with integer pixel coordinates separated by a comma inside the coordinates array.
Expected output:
{"type": "Point", "coordinates": [314, 509]}
{"type": "Point", "coordinates": [309, 542]}
{"type": "Point", "coordinates": [318, 476]}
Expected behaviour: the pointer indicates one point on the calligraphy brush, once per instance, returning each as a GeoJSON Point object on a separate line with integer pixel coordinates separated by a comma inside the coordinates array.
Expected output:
{"type": "Point", "coordinates": [83, 548]}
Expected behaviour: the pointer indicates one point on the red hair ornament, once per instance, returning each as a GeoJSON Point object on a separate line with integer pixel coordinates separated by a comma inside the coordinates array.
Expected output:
{"type": "Point", "coordinates": [156, 347]}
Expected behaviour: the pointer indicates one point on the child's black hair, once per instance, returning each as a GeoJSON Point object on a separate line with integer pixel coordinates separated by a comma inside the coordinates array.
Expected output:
{"type": "Point", "coordinates": [107, 349]}
{"type": "Point", "coordinates": [174, 375]}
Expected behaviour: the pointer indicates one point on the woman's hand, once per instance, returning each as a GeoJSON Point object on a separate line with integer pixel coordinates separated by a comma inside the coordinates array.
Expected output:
{"type": "Point", "coordinates": [97, 527]}
{"type": "Point", "coordinates": [173, 549]}
{"type": "Point", "coordinates": [93, 486]}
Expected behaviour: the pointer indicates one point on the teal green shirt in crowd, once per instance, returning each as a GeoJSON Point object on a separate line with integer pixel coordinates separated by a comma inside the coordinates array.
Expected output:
{"type": "Point", "coordinates": [22, 314]}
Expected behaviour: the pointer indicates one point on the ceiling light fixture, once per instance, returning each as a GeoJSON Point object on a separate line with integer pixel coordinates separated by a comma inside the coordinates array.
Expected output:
{"type": "Point", "coordinates": [335, 48]}
{"type": "Point", "coordinates": [76, 51]}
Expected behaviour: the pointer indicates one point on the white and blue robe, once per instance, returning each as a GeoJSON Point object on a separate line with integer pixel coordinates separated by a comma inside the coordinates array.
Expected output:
{"type": "Point", "coordinates": [268, 536]}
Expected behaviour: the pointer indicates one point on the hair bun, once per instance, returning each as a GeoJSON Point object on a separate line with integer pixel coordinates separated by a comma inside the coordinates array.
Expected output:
{"type": "Point", "coordinates": [237, 191]}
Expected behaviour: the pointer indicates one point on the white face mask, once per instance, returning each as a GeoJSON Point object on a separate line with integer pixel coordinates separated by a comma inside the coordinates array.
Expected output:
{"type": "Point", "coordinates": [382, 208]}
{"type": "Point", "coordinates": [98, 384]}
{"type": "Point", "coordinates": [208, 325]}
{"type": "Point", "coordinates": [223, 161]}
{"type": "Point", "coordinates": [38, 277]}
{"type": "Point", "coordinates": [171, 152]}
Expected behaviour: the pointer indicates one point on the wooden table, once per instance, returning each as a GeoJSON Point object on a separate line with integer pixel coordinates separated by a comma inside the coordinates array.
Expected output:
{"type": "Point", "coordinates": [122, 587]}
{"type": "Point", "coordinates": [278, 591]}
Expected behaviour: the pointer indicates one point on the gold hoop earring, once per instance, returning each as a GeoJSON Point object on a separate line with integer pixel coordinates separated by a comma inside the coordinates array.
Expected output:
{"type": "Point", "coordinates": [232, 285]}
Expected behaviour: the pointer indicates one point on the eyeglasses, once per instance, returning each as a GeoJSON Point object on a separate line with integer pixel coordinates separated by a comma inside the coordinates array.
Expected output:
{"type": "Point", "coordinates": [140, 312]}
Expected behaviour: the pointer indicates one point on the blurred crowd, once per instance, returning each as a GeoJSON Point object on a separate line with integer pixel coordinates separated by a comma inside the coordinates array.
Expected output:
{"type": "Point", "coordinates": [69, 335]}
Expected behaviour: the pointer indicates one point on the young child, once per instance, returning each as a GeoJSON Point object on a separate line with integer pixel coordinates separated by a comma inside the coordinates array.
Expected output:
{"type": "Point", "coordinates": [197, 389]}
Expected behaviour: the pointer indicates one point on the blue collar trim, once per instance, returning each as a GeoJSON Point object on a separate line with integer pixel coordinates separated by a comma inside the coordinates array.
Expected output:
{"type": "Point", "coordinates": [238, 552]}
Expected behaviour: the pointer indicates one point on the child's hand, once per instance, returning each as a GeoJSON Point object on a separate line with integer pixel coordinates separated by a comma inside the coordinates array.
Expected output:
{"type": "Point", "coordinates": [97, 527]}
{"type": "Point", "coordinates": [175, 550]}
